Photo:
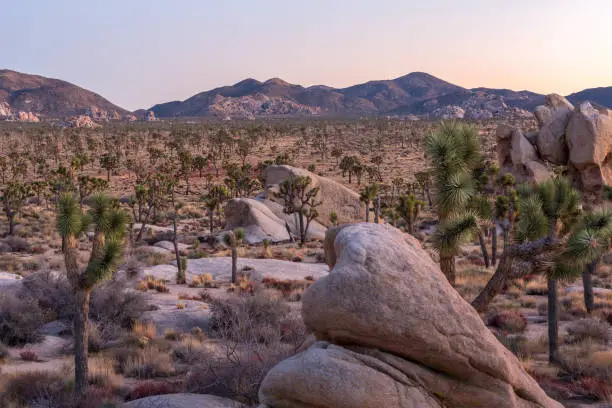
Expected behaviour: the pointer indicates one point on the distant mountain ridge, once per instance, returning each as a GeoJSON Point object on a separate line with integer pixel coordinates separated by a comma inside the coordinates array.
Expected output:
{"type": "Point", "coordinates": [416, 93]}
{"type": "Point", "coordinates": [34, 97]}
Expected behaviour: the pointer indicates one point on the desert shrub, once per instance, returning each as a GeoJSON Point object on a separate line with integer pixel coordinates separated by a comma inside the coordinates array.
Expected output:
{"type": "Point", "coordinates": [240, 317]}
{"type": "Point", "coordinates": [255, 332]}
{"type": "Point", "coordinates": [150, 388]}
{"type": "Point", "coordinates": [18, 244]}
{"type": "Point", "coordinates": [510, 321]}
{"type": "Point", "coordinates": [111, 305]}
{"type": "Point", "coordinates": [20, 318]}
{"type": "Point", "coordinates": [188, 350]}
{"type": "Point", "coordinates": [32, 388]}
{"type": "Point", "coordinates": [593, 329]}
{"type": "Point", "coordinates": [237, 377]}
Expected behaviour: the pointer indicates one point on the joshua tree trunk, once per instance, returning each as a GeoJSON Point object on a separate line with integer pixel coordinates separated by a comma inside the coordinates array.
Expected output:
{"type": "Point", "coordinates": [211, 221]}
{"type": "Point", "coordinates": [493, 245]}
{"type": "Point", "coordinates": [587, 283]}
{"type": "Point", "coordinates": [108, 175]}
{"type": "Point", "coordinates": [483, 248]}
{"type": "Point", "coordinates": [410, 222]}
{"type": "Point", "coordinates": [180, 276]}
{"type": "Point", "coordinates": [376, 210]}
{"type": "Point", "coordinates": [447, 264]}
{"type": "Point", "coordinates": [302, 231]}
{"type": "Point", "coordinates": [367, 207]}
{"type": "Point", "coordinates": [234, 264]}
{"type": "Point", "coordinates": [81, 332]}
{"type": "Point", "coordinates": [11, 220]}
{"type": "Point", "coordinates": [494, 285]}
{"type": "Point", "coordinates": [553, 322]}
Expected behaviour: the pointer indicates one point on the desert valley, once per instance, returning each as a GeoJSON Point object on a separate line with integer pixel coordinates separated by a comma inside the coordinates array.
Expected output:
{"type": "Point", "coordinates": [324, 240]}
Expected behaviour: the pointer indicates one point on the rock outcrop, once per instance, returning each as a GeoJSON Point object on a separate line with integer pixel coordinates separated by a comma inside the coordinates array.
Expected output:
{"type": "Point", "coordinates": [590, 146]}
{"type": "Point", "coordinates": [393, 333]}
{"type": "Point", "coordinates": [333, 196]}
{"type": "Point", "coordinates": [517, 155]}
{"type": "Point", "coordinates": [579, 138]}
{"type": "Point", "coordinates": [260, 222]}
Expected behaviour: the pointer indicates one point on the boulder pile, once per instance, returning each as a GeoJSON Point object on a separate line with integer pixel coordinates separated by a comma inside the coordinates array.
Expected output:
{"type": "Point", "coordinates": [393, 333]}
{"type": "Point", "coordinates": [579, 137]}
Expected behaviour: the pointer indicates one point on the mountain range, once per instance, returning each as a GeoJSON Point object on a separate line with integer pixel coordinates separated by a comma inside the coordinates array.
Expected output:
{"type": "Point", "coordinates": [24, 96]}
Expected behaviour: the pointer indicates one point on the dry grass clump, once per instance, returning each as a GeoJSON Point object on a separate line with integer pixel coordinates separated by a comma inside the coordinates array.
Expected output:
{"type": "Point", "coordinates": [205, 280]}
{"type": "Point", "coordinates": [28, 355]}
{"type": "Point", "coordinates": [291, 290]}
{"type": "Point", "coordinates": [150, 283]}
{"type": "Point", "coordinates": [149, 362]}
{"type": "Point", "coordinates": [537, 287]}
{"type": "Point", "coordinates": [153, 258]}
{"type": "Point", "coordinates": [509, 321]}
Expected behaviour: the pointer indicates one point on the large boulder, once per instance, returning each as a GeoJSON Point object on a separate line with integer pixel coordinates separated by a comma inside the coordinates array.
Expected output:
{"type": "Point", "coordinates": [517, 154]}
{"type": "Point", "coordinates": [522, 150]}
{"type": "Point", "coordinates": [333, 196]}
{"type": "Point", "coordinates": [388, 311]}
{"type": "Point", "coordinates": [589, 137]}
{"type": "Point", "coordinates": [183, 401]}
{"type": "Point", "coordinates": [260, 222]}
{"type": "Point", "coordinates": [553, 119]}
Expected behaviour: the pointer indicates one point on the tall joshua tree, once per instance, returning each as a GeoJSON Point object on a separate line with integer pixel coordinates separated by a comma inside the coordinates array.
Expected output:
{"type": "Point", "coordinates": [454, 154]}
{"type": "Point", "coordinates": [408, 207]}
{"type": "Point", "coordinates": [233, 239]}
{"type": "Point", "coordinates": [367, 196]}
{"type": "Point", "coordinates": [109, 227]}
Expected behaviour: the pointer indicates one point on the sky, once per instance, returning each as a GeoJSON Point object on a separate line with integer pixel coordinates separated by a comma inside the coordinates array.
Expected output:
{"type": "Point", "coordinates": [138, 53]}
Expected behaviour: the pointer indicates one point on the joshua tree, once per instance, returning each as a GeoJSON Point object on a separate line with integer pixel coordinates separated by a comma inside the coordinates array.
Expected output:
{"type": "Point", "coordinates": [424, 180]}
{"type": "Point", "coordinates": [595, 232]}
{"type": "Point", "coordinates": [109, 162]}
{"type": "Point", "coordinates": [185, 167]}
{"type": "Point", "coordinates": [88, 185]}
{"type": "Point", "coordinates": [336, 153]}
{"type": "Point", "coordinates": [13, 197]}
{"type": "Point", "coordinates": [408, 207]}
{"type": "Point", "coordinates": [216, 196]}
{"type": "Point", "coordinates": [347, 165]}
{"type": "Point", "coordinates": [299, 197]}
{"type": "Point", "coordinates": [199, 162]}
{"type": "Point", "coordinates": [454, 154]}
{"type": "Point", "coordinates": [109, 226]}
{"type": "Point", "coordinates": [368, 194]}
{"type": "Point", "coordinates": [233, 239]}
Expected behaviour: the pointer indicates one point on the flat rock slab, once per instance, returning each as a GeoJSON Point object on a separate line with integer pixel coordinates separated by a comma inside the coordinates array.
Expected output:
{"type": "Point", "coordinates": [578, 289]}
{"type": "Point", "coordinates": [183, 401]}
{"type": "Point", "coordinates": [221, 268]}
{"type": "Point", "coordinates": [169, 316]}
{"type": "Point", "coordinates": [169, 246]}
{"type": "Point", "coordinates": [164, 272]}
{"type": "Point", "coordinates": [10, 282]}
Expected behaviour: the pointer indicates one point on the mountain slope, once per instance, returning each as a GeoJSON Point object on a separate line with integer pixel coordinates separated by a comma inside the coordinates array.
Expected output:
{"type": "Point", "coordinates": [601, 96]}
{"type": "Point", "coordinates": [52, 98]}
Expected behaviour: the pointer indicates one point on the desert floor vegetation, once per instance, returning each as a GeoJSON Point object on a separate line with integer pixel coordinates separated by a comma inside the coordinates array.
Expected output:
{"type": "Point", "coordinates": [159, 322]}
